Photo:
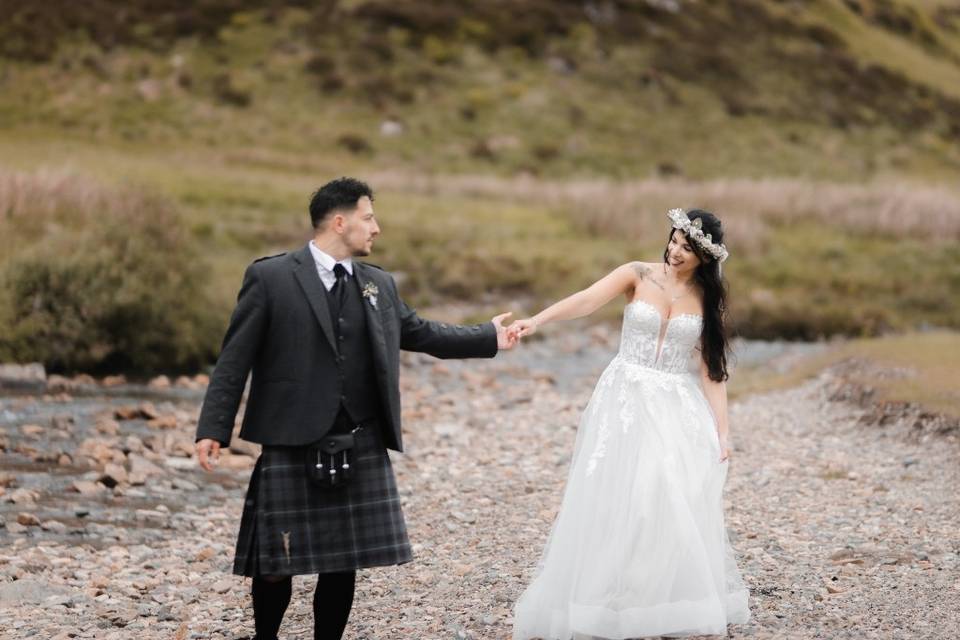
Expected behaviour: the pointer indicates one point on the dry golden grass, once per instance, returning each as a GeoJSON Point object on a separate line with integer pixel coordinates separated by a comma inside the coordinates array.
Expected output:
{"type": "Point", "coordinates": [921, 368]}
{"type": "Point", "coordinates": [47, 202]}
{"type": "Point", "coordinates": [747, 207]}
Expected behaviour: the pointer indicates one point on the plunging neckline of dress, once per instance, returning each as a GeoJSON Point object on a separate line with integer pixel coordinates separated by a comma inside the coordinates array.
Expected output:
{"type": "Point", "coordinates": [664, 324]}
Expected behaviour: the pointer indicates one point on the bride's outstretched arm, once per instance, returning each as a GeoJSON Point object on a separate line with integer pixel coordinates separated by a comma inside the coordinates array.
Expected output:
{"type": "Point", "coordinates": [584, 302]}
{"type": "Point", "coordinates": [716, 394]}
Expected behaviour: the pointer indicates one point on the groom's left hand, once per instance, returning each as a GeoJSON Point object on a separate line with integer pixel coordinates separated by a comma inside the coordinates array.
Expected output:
{"type": "Point", "coordinates": [506, 340]}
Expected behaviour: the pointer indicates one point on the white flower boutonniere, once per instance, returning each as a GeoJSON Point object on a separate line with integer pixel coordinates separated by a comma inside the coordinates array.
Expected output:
{"type": "Point", "coordinates": [370, 292]}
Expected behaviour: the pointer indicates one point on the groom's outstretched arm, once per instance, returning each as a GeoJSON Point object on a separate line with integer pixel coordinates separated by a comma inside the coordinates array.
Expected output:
{"type": "Point", "coordinates": [442, 339]}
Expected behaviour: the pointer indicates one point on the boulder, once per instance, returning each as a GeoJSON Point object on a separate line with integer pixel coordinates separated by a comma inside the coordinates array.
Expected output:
{"type": "Point", "coordinates": [185, 382]}
{"type": "Point", "coordinates": [148, 411]}
{"type": "Point", "coordinates": [23, 377]}
{"type": "Point", "coordinates": [87, 487]}
{"type": "Point", "coordinates": [141, 467]}
{"type": "Point", "coordinates": [108, 426]}
{"type": "Point", "coordinates": [114, 381]}
{"type": "Point", "coordinates": [126, 413]}
{"type": "Point", "coordinates": [113, 474]}
{"type": "Point", "coordinates": [22, 496]}
{"type": "Point", "coordinates": [160, 382]}
{"type": "Point", "coordinates": [60, 383]}
{"type": "Point", "coordinates": [54, 526]}
{"type": "Point", "coordinates": [164, 422]}
{"type": "Point", "coordinates": [28, 519]}
{"type": "Point", "coordinates": [30, 592]}
{"type": "Point", "coordinates": [244, 448]}
{"type": "Point", "coordinates": [31, 430]}
{"type": "Point", "coordinates": [101, 451]}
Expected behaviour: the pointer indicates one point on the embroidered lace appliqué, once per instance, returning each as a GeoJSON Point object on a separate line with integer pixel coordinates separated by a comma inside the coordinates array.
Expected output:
{"type": "Point", "coordinates": [641, 371]}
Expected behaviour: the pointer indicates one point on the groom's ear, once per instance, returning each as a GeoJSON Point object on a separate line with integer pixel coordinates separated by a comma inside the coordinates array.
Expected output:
{"type": "Point", "coordinates": [338, 218]}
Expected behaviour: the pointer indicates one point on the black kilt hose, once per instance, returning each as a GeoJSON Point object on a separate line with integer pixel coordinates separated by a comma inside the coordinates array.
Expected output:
{"type": "Point", "coordinates": [291, 526]}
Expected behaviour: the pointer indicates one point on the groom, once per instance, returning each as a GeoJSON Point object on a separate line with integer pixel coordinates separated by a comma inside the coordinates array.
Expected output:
{"type": "Point", "coordinates": [321, 334]}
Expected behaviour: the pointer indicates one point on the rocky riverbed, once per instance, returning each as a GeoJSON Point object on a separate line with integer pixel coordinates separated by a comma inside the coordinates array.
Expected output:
{"type": "Point", "coordinates": [844, 518]}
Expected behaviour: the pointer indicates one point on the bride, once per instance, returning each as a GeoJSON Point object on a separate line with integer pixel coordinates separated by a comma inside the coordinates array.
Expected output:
{"type": "Point", "coordinates": [639, 546]}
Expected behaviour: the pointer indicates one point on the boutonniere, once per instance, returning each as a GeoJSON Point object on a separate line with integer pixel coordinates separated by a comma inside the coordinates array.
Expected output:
{"type": "Point", "coordinates": [370, 292]}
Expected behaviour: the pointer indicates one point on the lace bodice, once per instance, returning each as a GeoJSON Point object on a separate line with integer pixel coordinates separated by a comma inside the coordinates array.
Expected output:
{"type": "Point", "coordinates": [640, 341]}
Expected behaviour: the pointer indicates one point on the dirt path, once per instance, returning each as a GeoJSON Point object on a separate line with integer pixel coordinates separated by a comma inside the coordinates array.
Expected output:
{"type": "Point", "coordinates": [844, 529]}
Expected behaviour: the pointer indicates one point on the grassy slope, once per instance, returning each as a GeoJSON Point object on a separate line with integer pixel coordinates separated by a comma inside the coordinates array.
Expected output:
{"type": "Point", "coordinates": [801, 280]}
{"type": "Point", "coordinates": [934, 64]}
{"type": "Point", "coordinates": [773, 103]}
{"type": "Point", "coordinates": [926, 374]}
{"type": "Point", "coordinates": [638, 107]}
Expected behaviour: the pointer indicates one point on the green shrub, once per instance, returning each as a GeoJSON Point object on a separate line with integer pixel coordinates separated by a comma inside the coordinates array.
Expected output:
{"type": "Point", "coordinates": [99, 280]}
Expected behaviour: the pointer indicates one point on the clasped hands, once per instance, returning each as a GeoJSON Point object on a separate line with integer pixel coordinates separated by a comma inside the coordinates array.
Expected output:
{"type": "Point", "coordinates": [509, 336]}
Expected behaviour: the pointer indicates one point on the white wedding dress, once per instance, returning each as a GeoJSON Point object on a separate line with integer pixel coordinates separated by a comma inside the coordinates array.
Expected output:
{"type": "Point", "coordinates": [639, 547]}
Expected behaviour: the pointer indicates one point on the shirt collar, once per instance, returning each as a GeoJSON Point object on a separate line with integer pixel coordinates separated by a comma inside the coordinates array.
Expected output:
{"type": "Point", "coordinates": [327, 261]}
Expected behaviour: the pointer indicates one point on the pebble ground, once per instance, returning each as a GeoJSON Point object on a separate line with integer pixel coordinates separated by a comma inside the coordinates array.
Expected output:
{"type": "Point", "coordinates": [845, 523]}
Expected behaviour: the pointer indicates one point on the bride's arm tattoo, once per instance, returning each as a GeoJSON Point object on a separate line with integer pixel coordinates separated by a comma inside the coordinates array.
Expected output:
{"type": "Point", "coordinates": [646, 273]}
{"type": "Point", "coordinates": [641, 270]}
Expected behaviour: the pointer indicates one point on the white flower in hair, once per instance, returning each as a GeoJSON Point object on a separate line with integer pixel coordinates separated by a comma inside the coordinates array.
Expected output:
{"type": "Point", "coordinates": [694, 230]}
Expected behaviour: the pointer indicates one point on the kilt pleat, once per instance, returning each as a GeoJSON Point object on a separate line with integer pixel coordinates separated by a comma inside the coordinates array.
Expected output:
{"type": "Point", "coordinates": [290, 526]}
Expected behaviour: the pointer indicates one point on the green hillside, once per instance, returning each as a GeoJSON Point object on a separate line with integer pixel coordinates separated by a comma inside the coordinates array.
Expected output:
{"type": "Point", "coordinates": [519, 149]}
{"type": "Point", "coordinates": [819, 88]}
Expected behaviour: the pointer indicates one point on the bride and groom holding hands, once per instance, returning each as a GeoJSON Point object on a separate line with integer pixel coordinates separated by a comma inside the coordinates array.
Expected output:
{"type": "Point", "coordinates": [638, 547]}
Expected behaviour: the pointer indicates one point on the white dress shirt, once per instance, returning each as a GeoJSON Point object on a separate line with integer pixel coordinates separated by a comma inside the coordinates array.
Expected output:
{"type": "Point", "coordinates": [325, 263]}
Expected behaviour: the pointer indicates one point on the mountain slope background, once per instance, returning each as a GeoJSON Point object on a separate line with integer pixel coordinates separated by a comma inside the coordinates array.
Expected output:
{"type": "Point", "coordinates": [520, 149]}
{"type": "Point", "coordinates": [821, 88]}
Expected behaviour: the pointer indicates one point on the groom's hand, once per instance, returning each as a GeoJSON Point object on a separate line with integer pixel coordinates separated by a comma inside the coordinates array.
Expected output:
{"type": "Point", "coordinates": [208, 451]}
{"type": "Point", "coordinates": [506, 339]}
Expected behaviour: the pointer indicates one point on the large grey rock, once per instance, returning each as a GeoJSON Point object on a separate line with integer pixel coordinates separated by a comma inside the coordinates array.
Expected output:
{"type": "Point", "coordinates": [140, 466]}
{"type": "Point", "coordinates": [23, 377]}
{"type": "Point", "coordinates": [21, 592]}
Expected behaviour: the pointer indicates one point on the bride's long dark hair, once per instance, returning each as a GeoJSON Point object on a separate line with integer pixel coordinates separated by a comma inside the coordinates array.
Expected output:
{"type": "Point", "coordinates": [713, 338]}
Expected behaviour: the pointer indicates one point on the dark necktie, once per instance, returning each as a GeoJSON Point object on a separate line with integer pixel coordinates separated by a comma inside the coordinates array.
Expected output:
{"type": "Point", "coordinates": [337, 291]}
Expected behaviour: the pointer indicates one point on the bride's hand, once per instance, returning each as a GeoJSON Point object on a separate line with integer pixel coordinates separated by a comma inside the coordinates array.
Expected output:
{"type": "Point", "coordinates": [525, 327]}
{"type": "Point", "coordinates": [724, 450]}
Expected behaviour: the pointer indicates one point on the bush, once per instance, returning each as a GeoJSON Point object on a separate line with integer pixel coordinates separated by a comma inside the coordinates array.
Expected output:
{"type": "Point", "coordinates": [99, 280]}
{"type": "Point", "coordinates": [226, 91]}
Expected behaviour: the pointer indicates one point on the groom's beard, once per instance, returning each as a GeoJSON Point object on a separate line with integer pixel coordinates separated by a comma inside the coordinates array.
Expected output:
{"type": "Point", "coordinates": [363, 250]}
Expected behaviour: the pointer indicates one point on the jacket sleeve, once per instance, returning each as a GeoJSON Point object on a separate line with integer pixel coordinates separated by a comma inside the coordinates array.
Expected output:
{"type": "Point", "coordinates": [240, 344]}
{"type": "Point", "coordinates": [441, 339]}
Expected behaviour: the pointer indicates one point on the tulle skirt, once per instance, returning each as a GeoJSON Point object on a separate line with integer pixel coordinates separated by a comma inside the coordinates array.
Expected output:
{"type": "Point", "coordinates": [639, 547]}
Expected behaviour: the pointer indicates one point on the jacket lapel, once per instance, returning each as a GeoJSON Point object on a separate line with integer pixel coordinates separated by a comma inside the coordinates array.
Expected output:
{"type": "Point", "coordinates": [374, 321]}
{"type": "Point", "coordinates": [309, 280]}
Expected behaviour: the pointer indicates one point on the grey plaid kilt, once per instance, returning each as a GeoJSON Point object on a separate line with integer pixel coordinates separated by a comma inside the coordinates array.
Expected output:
{"type": "Point", "coordinates": [291, 526]}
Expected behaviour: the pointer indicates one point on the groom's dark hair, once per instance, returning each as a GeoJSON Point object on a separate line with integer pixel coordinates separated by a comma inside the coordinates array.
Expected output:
{"type": "Point", "coordinates": [341, 193]}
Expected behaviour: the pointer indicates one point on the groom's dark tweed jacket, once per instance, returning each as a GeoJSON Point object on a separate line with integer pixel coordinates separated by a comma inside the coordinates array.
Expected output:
{"type": "Point", "coordinates": [282, 332]}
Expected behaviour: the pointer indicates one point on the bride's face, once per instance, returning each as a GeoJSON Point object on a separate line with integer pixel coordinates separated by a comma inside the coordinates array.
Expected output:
{"type": "Point", "coordinates": [680, 254]}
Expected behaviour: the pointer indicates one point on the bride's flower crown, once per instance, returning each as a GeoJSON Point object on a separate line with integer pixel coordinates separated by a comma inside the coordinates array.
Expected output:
{"type": "Point", "coordinates": [694, 230]}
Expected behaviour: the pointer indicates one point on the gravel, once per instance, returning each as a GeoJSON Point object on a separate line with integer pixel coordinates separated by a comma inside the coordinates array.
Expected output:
{"type": "Point", "coordinates": [845, 523]}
